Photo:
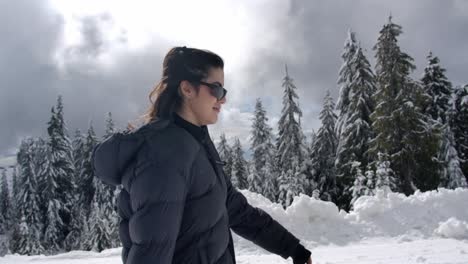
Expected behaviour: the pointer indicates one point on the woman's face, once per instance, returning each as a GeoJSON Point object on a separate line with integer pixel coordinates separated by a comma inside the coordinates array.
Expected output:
{"type": "Point", "coordinates": [204, 106]}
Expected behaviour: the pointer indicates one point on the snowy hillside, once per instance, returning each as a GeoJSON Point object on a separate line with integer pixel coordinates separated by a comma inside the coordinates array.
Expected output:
{"type": "Point", "coordinates": [430, 227]}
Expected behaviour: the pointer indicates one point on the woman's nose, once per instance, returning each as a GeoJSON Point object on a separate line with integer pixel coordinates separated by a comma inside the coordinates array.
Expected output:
{"type": "Point", "coordinates": [222, 101]}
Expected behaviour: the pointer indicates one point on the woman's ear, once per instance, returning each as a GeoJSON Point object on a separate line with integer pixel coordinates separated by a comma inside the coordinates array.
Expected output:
{"type": "Point", "coordinates": [185, 90]}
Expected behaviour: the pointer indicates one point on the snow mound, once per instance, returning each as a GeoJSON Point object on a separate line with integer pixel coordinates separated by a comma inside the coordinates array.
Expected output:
{"type": "Point", "coordinates": [384, 215]}
{"type": "Point", "coordinates": [394, 214]}
{"type": "Point", "coordinates": [452, 228]}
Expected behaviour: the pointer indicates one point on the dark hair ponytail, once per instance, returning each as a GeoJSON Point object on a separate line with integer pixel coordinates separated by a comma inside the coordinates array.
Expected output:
{"type": "Point", "coordinates": [180, 63]}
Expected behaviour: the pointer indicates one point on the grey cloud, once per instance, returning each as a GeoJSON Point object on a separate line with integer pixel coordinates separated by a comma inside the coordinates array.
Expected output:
{"type": "Point", "coordinates": [307, 35]}
{"type": "Point", "coordinates": [30, 34]}
{"type": "Point", "coordinates": [31, 78]}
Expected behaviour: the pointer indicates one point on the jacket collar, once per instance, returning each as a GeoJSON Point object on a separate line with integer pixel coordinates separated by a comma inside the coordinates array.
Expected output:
{"type": "Point", "coordinates": [200, 133]}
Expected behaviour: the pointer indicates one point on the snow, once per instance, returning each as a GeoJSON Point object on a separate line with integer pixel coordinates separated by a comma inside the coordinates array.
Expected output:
{"type": "Point", "coordinates": [464, 100]}
{"type": "Point", "coordinates": [453, 228]}
{"type": "Point", "coordinates": [427, 227]}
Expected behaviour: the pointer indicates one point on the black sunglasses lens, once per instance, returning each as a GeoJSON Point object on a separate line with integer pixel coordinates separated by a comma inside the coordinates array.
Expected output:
{"type": "Point", "coordinates": [218, 91]}
{"type": "Point", "coordinates": [224, 94]}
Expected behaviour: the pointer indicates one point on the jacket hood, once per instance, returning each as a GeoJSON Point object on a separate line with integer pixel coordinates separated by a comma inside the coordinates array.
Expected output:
{"type": "Point", "coordinates": [112, 156]}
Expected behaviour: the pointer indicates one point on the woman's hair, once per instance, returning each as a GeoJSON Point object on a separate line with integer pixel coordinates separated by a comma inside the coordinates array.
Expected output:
{"type": "Point", "coordinates": [180, 63]}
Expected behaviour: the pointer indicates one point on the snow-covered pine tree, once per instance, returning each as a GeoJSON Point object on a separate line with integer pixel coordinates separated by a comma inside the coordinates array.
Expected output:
{"type": "Point", "coordinates": [14, 229]}
{"type": "Point", "coordinates": [439, 89]}
{"type": "Point", "coordinates": [270, 189]}
{"type": "Point", "coordinates": [451, 174]}
{"type": "Point", "coordinates": [459, 125]}
{"type": "Point", "coordinates": [356, 131]}
{"type": "Point", "coordinates": [14, 187]}
{"type": "Point", "coordinates": [110, 126]}
{"type": "Point", "coordinates": [324, 151]}
{"type": "Point", "coordinates": [313, 139]}
{"type": "Point", "coordinates": [5, 205]}
{"type": "Point", "coordinates": [385, 178]}
{"type": "Point", "coordinates": [26, 239]}
{"type": "Point", "coordinates": [262, 147]}
{"type": "Point", "coordinates": [225, 154]}
{"type": "Point", "coordinates": [42, 170]}
{"type": "Point", "coordinates": [370, 180]}
{"type": "Point", "coordinates": [359, 187]}
{"type": "Point", "coordinates": [402, 129]}
{"type": "Point", "coordinates": [41, 165]}
{"type": "Point", "coordinates": [239, 166]}
{"type": "Point", "coordinates": [61, 187]}
{"type": "Point", "coordinates": [78, 152]}
{"type": "Point", "coordinates": [290, 148]}
{"type": "Point", "coordinates": [86, 174]}
{"type": "Point", "coordinates": [312, 186]}
{"type": "Point", "coordinates": [98, 237]}
{"type": "Point", "coordinates": [346, 74]}
{"type": "Point", "coordinates": [82, 146]}
{"type": "Point", "coordinates": [115, 191]}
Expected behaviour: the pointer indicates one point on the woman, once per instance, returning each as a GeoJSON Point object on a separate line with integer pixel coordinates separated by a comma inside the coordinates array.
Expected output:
{"type": "Point", "coordinates": [177, 205]}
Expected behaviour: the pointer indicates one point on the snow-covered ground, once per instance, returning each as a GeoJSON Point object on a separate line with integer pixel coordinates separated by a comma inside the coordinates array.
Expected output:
{"type": "Point", "coordinates": [430, 227]}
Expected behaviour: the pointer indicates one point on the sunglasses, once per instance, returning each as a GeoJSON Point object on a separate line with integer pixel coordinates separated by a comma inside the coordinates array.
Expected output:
{"type": "Point", "coordinates": [216, 89]}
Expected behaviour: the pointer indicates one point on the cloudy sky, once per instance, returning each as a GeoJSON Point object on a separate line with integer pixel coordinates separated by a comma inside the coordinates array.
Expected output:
{"type": "Point", "coordinates": [106, 55]}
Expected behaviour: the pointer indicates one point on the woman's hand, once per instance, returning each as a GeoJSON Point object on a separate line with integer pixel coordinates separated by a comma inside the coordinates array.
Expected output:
{"type": "Point", "coordinates": [301, 255]}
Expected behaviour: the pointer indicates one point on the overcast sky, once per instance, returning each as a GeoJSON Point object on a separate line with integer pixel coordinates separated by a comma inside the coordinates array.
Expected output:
{"type": "Point", "coordinates": [106, 55]}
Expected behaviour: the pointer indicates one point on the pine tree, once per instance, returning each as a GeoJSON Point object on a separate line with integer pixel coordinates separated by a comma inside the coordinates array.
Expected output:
{"type": "Point", "coordinates": [324, 151]}
{"type": "Point", "coordinates": [87, 185]}
{"type": "Point", "coordinates": [26, 240]}
{"type": "Point", "coordinates": [78, 153]}
{"type": "Point", "coordinates": [14, 190]}
{"type": "Point", "coordinates": [41, 164]}
{"type": "Point", "coordinates": [356, 131]}
{"type": "Point", "coordinates": [239, 167]}
{"type": "Point", "coordinates": [100, 199]}
{"type": "Point", "coordinates": [371, 180]}
{"type": "Point", "coordinates": [440, 91]}
{"type": "Point", "coordinates": [346, 74]}
{"type": "Point", "coordinates": [402, 130]}
{"type": "Point", "coordinates": [312, 188]}
{"type": "Point", "coordinates": [115, 191]}
{"type": "Point", "coordinates": [78, 218]}
{"type": "Point", "coordinates": [290, 148]}
{"type": "Point", "coordinates": [385, 177]}
{"type": "Point", "coordinates": [110, 126]}
{"type": "Point", "coordinates": [451, 174]}
{"type": "Point", "coordinates": [86, 177]}
{"type": "Point", "coordinates": [359, 187]}
{"type": "Point", "coordinates": [459, 125]}
{"type": "Point", "coordinates": [61, 187]}
{"type": "Point", "coordinates": [98, 237]}
{"type": "Point", "coordinates": [225, 154]}
{"type": "Point", "coordinates": [15, 210]}
{"type": "Point", "coordinates": [5, 205]}
{"type": "Point", "coordinates": [262, 149]}
{"type": "Point", "coordinates": [270, 189]}
{"type": "Point", "coordinates": [438, 88]}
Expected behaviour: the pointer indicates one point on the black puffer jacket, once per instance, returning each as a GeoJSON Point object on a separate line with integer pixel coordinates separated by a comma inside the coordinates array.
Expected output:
{"type": "Point", "coordinates": [177, 205]}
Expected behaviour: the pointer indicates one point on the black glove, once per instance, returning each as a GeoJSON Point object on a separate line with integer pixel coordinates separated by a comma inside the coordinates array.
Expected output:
{"type": "Point", "coordinates": [301, 255]}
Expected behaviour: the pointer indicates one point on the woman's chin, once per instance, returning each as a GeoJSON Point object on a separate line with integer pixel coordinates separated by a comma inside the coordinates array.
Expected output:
{"type": "Point", "coordinates": [213, 120]}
